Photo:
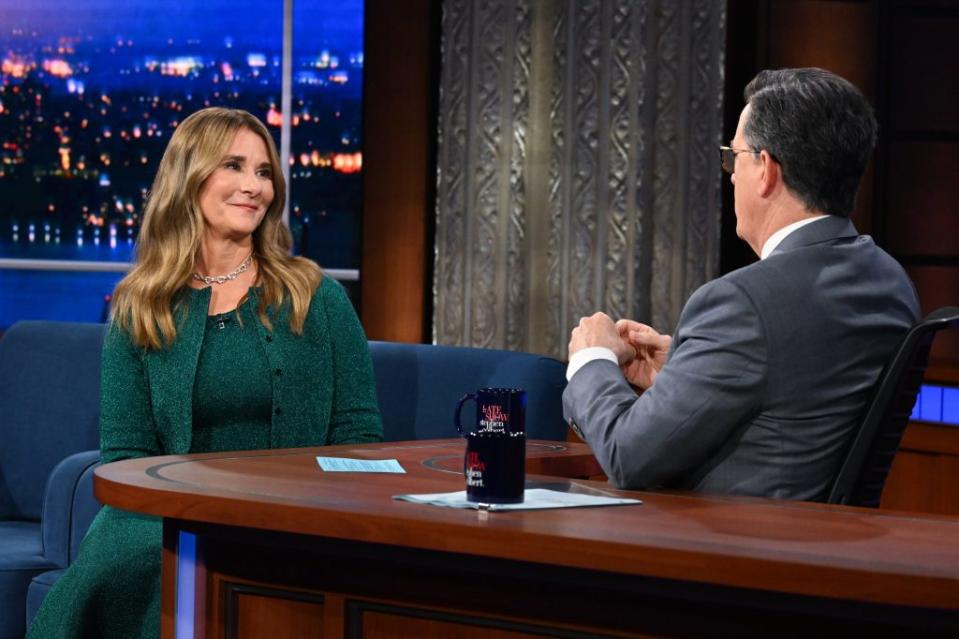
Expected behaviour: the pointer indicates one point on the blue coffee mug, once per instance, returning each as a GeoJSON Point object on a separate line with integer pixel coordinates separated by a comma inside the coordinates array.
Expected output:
{"type": "Point", "coordinates": [498, 410]}
{"type": "Point", "coordinates": [495, 461]}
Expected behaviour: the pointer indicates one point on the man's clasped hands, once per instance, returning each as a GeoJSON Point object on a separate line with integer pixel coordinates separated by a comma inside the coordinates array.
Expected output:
{"type": "Point", "coordinates": [639, 349]}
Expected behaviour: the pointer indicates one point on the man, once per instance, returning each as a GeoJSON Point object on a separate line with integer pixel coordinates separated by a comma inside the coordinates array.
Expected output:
{"type": "Point", "coordinates": [768, 374]}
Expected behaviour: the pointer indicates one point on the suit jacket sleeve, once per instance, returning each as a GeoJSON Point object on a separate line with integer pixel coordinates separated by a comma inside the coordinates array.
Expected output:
{"type": "Point", "coordinates": [712, 383]}
{"type": "Point", "coordinates": [355, 415]}
{"type": "Point", "coordinates": [127, 428]}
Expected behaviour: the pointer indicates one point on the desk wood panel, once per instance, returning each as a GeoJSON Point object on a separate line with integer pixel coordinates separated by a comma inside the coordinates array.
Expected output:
{"type": "Point", "coordinates": [256, 611]}
{"type": "Point", "coordinates": [687, 564]}
{"type": "Point", "coordinates": [923, 477]}
{"type": "Point", "coordinates": [469, 593]}
{"type": "Point", "coordinates": [383, 624]}
{"type": "Point", "coordinates": [808, 549]}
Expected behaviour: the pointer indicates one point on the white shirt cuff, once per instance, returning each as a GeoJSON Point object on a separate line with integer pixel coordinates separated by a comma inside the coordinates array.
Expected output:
{"type": "Point", "coordinates": [582, 357]}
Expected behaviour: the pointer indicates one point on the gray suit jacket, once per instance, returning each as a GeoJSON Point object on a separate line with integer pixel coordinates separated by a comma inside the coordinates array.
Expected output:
{"type": "Point", "coordinates": [767, 377]}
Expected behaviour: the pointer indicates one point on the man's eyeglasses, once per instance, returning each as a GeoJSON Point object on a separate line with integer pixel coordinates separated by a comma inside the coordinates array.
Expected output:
{"type": "Point", "coordinates": [727, 157]}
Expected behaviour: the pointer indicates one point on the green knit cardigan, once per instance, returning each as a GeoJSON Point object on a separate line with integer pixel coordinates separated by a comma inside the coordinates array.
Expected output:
{"type": "Point", "coordinates": [323, 388]}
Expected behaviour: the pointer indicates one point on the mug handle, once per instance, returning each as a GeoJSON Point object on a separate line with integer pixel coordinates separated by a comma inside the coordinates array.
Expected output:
{"type": "Point", "coordinates": [459, 410]}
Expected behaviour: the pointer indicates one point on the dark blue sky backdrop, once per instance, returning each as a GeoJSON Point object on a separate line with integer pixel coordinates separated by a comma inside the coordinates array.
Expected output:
{"type": "Point", "coordinates": [327, 23]}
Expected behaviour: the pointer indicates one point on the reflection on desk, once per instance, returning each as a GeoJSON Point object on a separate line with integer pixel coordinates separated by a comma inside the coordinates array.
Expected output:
{"type": "Point", "coordinates": [284, 546]}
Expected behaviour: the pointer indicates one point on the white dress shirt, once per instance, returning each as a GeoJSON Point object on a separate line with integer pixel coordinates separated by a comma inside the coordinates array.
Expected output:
{"type": "Point", "coordinates": [776, 238]}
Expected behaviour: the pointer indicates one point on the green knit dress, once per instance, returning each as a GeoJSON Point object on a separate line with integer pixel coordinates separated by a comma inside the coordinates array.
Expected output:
{"type": "Point", "coordinates": [112, 589]}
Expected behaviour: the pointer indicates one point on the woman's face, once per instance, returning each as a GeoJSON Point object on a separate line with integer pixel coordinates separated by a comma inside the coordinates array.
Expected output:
{"type": "Point", "coordinates": [235, 197]}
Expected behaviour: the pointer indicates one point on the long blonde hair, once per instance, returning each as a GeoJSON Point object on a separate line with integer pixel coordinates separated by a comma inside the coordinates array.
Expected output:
{"type": "Point", "coordinates": [172, 229]}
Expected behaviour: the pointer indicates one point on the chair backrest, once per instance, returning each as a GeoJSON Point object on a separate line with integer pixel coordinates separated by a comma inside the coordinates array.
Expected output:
{"type": "Point", "coordinates": [418, 386]}
{"type": "Point", "coordinates": [863, 474]}
{"type": "Point", "coordinates": [49, 406]}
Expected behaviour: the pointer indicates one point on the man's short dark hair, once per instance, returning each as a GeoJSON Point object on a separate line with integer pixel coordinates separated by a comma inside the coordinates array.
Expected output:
{"type": "Point", "coordinates": [820, 129]}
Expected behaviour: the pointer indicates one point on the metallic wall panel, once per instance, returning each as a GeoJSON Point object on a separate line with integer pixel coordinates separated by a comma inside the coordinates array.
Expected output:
{"type": "Point", "coordinates": [577, 165]}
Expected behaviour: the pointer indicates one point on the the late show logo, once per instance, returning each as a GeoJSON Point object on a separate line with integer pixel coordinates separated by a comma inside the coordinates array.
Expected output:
{"type": "Point", "coordinates": [494, 419]}
{"type": "Point", "coordinates": [474, 469]}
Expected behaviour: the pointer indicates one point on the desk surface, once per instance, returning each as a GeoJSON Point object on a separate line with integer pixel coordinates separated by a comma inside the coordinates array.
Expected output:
{"type": "Point", "coordinates": [789, 547]}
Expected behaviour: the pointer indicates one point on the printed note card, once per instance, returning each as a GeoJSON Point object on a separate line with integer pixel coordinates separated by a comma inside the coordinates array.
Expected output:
{"type": "Point", "coordinates": [535, 499]}
{"type": "Point", "coordinates": [347, 465]}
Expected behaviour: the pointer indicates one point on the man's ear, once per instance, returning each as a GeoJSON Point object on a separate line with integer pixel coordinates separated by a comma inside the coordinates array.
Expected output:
{"type": "Point", "coordinates": [771, 175]}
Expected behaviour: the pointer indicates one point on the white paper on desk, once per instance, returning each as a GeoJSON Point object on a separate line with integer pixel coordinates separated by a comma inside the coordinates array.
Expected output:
{"type": "Point", "coordinates": [534, 499]}
{"type": "Point", "coordinates": [348, 465]}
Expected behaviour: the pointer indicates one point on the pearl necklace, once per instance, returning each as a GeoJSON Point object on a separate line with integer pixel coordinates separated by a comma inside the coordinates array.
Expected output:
{"type": "Point", "coordinates": [232, 275]}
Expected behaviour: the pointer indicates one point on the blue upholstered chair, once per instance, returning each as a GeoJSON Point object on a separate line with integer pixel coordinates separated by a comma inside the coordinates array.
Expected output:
{"type": "Point", "coordinates": [49, 398]}
{"type": "Point", "coordinates": [418, 386]}
{"type": "Point", "coordinates": [83, 507]}
{"type": "Point", "coordinates": [49, 407]}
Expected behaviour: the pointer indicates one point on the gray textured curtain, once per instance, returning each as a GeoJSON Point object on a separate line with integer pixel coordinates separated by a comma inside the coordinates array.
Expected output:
{"type": "Point", "coordinates": [577, 165]}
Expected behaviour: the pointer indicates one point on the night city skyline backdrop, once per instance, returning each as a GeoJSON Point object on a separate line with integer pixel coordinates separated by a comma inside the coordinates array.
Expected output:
{"type": "Point", "coordinates": [89, 96]}
{"type": "Point", "coordinates": [91, 92]}
{"type": "Point", "coordinates": [326, 24]}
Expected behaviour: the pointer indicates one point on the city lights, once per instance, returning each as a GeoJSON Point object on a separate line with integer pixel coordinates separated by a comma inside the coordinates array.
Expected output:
{"type": "Point", "coordinates": [181, 66]}
{"type": "Point", "coordinates": [274, 117]}
{"type": "Point", "coordinates": [58, 68]}
{"type": "Point", "coordinates": [347, 162]}
{"type": "Point", "coordinates": [85, 118]}
{"type": "Point", "coordinates": [16, 67]}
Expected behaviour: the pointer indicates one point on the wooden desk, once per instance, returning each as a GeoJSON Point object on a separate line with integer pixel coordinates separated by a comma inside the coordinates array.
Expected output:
{"type": "Point", "coordinates": [283, 549]}
{"type": "Point", "coordinates": [924, 471]}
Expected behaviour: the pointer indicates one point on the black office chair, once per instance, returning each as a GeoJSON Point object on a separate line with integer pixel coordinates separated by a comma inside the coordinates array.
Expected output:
{"type": "Point", "coordinates": [867, 464]}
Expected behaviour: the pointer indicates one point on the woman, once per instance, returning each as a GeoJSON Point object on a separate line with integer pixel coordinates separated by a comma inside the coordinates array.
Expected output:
{"type": "Point", "coordinates": [220, 340]}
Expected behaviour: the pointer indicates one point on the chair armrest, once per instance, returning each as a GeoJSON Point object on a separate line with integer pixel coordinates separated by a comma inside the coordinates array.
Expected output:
{"type": "Point", "coordinates": [85, 508]}
{"type": "Point", "coordinates": [68, 506]}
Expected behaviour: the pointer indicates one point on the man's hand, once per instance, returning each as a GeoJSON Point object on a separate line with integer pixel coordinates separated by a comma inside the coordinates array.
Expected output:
{"type": "Point", "coordinates": [599, 330]}
{"type": "Point", "coordinates": [651, 349]}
